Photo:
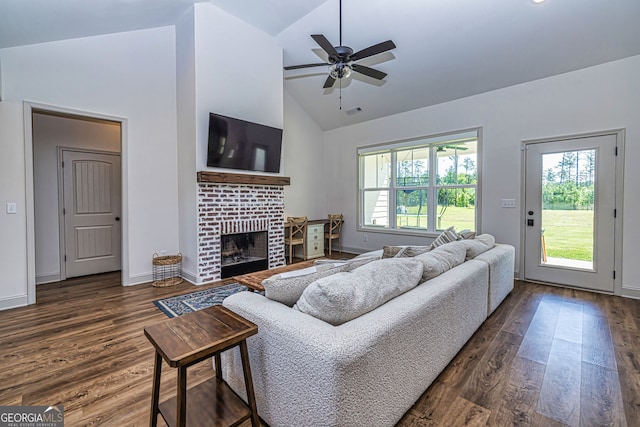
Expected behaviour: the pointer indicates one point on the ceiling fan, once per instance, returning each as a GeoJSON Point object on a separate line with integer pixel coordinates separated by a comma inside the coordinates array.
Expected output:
{"type": "Point", "coordinates": [342, 59]}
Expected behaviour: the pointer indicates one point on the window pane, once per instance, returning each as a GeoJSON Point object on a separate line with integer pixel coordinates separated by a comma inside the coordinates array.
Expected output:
{"type": "Point", "coordinates": [457, 163]}
{"type": "Point", "coordinates": [376, 208]}
{"type": "Point", "coordinates": [412, 167]}
{"type": "Point", "coordinates": [411, 209]}
{"type": "Point", "coordinates": [456, 207]}
{"type": "Point", "coordinates": [377, 170]}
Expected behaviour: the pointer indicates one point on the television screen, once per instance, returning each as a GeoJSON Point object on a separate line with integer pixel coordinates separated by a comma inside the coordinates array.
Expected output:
{"type": "Point", "coordinates": [238, 144]}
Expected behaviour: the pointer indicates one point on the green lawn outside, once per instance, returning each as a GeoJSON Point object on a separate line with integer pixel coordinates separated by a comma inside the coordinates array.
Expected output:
{"type": "Point", "coordinates": [461, 218]}
{"type": "Point", "coordinates": [568, 234]}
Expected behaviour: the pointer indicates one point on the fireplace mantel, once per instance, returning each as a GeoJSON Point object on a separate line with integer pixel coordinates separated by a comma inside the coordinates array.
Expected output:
{"type": "Point", "coordinates": [239, 178]}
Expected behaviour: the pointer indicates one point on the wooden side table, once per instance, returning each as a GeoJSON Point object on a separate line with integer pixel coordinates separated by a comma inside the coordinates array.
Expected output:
{"type": "Point", "coordinates": [192, 338]}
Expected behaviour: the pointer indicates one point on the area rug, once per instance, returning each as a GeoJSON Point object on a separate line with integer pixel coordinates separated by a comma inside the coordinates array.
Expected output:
{"type": "Point", "coordinates": [183, 304]}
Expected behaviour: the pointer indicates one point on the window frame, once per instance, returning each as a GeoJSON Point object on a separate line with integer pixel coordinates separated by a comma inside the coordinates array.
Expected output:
{"type": "Point", "coordinates": [432, 188]}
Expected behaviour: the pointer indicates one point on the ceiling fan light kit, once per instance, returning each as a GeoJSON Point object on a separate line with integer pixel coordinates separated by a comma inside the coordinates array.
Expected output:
{"type": "Point", "coordinates": [342, 59]}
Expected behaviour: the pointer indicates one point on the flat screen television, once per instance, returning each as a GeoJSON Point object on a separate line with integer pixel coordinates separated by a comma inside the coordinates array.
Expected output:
{"type": "Point", "coordinates": [238, 144]}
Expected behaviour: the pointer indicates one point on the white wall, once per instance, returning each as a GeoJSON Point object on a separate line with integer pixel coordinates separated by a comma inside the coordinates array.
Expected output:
{"type": "Point", "coordinates": [130, 75]}
{"type": "Point", "coordinates": [228, 67]}
{"type": "Point", "coordinates": [186, 124]}
{"type": "Point", "coordinates": [303, 162]}
{"type": "Point", "coordinates": [238, 73]}
{"type": "Point", "coordinates": [603, 97]}
{"type": "Point", "coordinates": [49, 133]}
{"type": "Point", "coordinates": [13, 246]}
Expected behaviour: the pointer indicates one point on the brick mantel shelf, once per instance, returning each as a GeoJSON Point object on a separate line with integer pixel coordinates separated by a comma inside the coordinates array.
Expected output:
{"type": "Point", "coordinates": [239, 178]}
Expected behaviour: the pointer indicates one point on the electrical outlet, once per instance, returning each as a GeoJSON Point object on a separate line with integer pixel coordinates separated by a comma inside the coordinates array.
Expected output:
{"type": "Point", "coordinates": [163, 253]}
{"type": "Point", "coordinates": [365, 237]}
{"type": "Point", "coordinates": [508, 203]}
{"type": "Point", "coordinates": [12, 208]}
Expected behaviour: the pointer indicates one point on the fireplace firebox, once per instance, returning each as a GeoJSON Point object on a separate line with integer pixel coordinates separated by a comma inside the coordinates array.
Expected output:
{"type": "Point", "coordinates": [243, 253]}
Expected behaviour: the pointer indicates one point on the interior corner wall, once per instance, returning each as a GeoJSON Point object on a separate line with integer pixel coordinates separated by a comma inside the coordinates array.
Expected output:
{"type": "Point", "coordinates": [186, 125]}
{"type": "Point", "coordinates": [129, 75]}
{"type": "Point", "coordinates": [303, 162]}
{"type": "Point", "coordinates": [238, 73]}
{"type": "Point", "coordinates": [598, 98]}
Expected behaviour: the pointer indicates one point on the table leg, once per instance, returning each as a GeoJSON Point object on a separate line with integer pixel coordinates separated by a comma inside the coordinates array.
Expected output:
{"type": "Point", "coordinates": [248, 382]}
{"type": "Point", "coordinates": [155, 391]}
{"type": "Point", "coordinates": [182, 396]}
{"type": "Point", "coordinates": [216, 357]}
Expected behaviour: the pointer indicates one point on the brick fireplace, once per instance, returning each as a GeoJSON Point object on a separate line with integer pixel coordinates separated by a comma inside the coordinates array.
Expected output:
{"type": "Point", "coordinates": [231, 204]}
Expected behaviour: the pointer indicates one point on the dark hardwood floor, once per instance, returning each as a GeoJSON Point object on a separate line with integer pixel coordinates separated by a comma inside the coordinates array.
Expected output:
{"type": "Point", "coordinates": [547, 357]}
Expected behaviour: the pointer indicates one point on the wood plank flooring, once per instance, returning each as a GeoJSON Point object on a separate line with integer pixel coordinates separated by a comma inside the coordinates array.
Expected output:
{"type": "Point", "coordinates": [547, 357]}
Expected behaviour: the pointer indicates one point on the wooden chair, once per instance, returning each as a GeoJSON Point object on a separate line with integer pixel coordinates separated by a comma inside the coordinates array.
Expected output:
{"type": "Point", "coordinates": [335, 231]}
{"type": "Point", "coordinates": [297, 235]}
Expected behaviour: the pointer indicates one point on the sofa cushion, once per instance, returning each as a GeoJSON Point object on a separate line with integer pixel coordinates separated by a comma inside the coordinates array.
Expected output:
{"type": "Point", "coordinates": [343, 296]}
{"type": "Point", "coordinates": [287, 287]}
{"type": "Point", "coordinates": [480, 244]}
{"type": "Point", "coordinates": [441, 259]}
{"type": "Point", "coordinates": [447, 236]}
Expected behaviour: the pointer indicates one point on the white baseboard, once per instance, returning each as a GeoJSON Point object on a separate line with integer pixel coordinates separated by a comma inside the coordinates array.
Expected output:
{"type": "Point", "coordinates": [139, 279]}
{"type": "Point", "coordinates": [47, 278]}
{"type": "Point", "coordinates": [189, 277]}
{"type": "Point", "coordinates": [631, 293]}
{"type": "Point", "coordinates": [13, 302]}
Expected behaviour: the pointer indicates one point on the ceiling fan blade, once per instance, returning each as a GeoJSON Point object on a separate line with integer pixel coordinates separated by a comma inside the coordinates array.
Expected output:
{"type": "Point", "coordinates": [326, 45]}
{"type": "Point", "coordinates": [329, 82]}
{"type": "Point", "coordinates": [369, 71]}
{"type": "Point", "coordinates": [295, 67]}
{"type": "Point", "coordinates": [373, 50]}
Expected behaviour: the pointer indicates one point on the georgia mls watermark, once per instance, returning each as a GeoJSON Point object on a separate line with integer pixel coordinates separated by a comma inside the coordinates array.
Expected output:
{"type": "Point", "coordinates": [32, 416]}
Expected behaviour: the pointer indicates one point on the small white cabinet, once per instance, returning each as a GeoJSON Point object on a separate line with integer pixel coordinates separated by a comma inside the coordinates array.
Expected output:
{"type": "Point", "coordinates": [315, 241]}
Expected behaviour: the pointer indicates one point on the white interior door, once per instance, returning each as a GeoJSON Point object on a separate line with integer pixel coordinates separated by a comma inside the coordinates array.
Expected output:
{"type": "Point", "coordinates": [570, 212]}
{"type": "Point", "coordinates": [91, 187]}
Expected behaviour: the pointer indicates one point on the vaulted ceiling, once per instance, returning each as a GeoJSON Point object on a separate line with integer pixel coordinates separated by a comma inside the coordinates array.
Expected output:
{"type": "Point", "coordinates": [446, 49]}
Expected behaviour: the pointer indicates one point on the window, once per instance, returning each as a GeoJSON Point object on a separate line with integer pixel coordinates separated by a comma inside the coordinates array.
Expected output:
{"type": "Point", "coordinates": [420, 186]}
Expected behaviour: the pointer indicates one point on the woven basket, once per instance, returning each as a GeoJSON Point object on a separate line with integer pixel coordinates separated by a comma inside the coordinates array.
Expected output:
{"type": "Point", "coordinates": [167, 270]}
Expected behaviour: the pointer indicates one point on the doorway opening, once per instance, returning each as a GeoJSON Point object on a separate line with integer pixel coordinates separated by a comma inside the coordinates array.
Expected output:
{"type": "Point", "coordinates": [77, 195]}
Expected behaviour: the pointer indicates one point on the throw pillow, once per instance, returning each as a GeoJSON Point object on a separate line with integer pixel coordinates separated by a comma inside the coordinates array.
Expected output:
{"type": "Point", "coordinates": [411, 251]}
{"type": "Point", "coordinates": [391, 251]}
{"type": "Point", "coordinates": [441, 259]}
{"type": "Point", "coordinates": [447, 236]}
{"type": "Point", "coordinates": [354, 263]}
{"type": "Point", "coordinates": [344, 296]}
{"type": "Point", "coordinates": [286, 288]}
{"type": "Point", "coordinates": [480, 244]}
{"type": "Point", "coordinates": [467, 234]}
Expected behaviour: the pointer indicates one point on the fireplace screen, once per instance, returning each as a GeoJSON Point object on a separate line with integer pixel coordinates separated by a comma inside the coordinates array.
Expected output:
{"type": "Point", "coordinates": [244, 253]}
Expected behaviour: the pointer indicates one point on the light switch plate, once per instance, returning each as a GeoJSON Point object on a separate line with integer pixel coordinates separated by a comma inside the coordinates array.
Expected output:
{"type": "Point", "coordinates": [12, 208]}
{"type": "Point", "coordinates": [508, 203]}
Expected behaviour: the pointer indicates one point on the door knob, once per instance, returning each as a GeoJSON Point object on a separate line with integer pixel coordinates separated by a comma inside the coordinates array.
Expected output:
{"type": "Point", "coordinates": [117, 218]}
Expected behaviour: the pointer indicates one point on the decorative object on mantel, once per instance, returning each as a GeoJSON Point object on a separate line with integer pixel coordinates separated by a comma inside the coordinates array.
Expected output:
{"type": "Point", "coordinates": [167, 270]}
{"type": "Point", "coordinates": [241, 178]}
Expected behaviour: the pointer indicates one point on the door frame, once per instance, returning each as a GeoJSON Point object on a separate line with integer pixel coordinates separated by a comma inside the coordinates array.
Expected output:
{"type": "Point", "coordinates": [619, 191]}
{"type": "Point", "coordinates": [61, 217]}
{"type": "Point", "coordinates": [29, 108]}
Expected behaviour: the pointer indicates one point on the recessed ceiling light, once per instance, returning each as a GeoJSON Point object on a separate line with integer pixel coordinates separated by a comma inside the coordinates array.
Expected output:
{"type": "Point", "coordinates": [538, 1]}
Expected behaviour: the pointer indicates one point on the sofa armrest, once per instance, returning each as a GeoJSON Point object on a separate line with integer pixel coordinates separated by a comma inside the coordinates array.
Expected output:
{"type": "Point", "coordinates": [501, 259]}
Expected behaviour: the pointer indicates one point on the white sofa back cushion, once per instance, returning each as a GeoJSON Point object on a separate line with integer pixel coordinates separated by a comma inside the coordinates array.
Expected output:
{"type": "Point", "coordinates": [343, 296]}
{"type": "Point", "coordinates": [480, 244]}
{"type": "Point", "coordinates": [441, 259]}
{"type": "Point", "coordinates": [287, 288]}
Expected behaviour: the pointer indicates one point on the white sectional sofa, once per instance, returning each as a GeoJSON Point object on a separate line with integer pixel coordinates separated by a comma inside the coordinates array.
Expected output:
{"type": "Point", "coordinates": [369, 370]}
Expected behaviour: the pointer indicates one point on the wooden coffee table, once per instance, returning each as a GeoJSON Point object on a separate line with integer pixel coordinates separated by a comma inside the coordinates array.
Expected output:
{"type": "Point", "coordinates": [254, 280]}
